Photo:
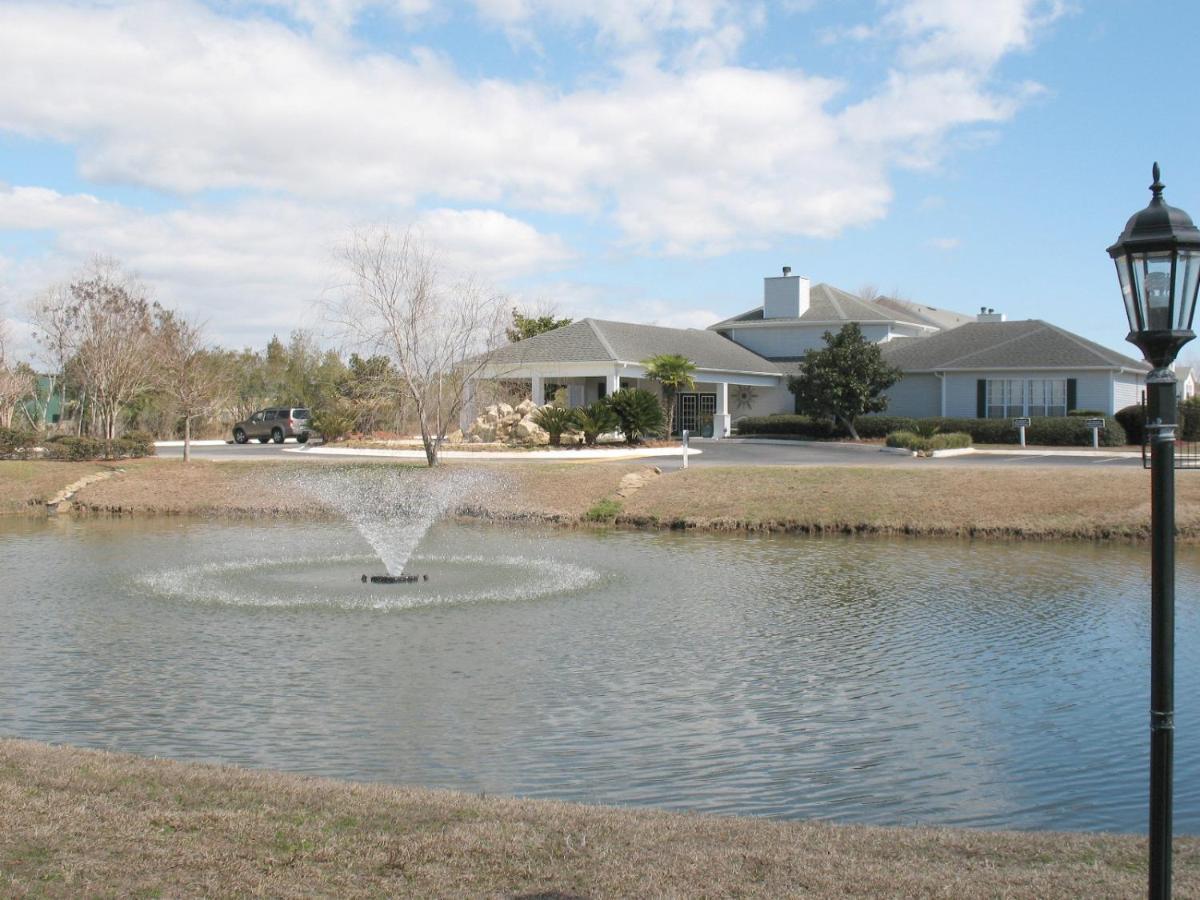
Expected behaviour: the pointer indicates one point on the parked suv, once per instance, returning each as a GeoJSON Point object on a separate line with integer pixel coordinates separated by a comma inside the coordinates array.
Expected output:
{"type": "Point", "coordinates": [275, 424]}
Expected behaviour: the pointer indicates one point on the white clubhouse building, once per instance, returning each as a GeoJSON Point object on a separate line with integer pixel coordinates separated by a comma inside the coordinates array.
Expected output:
{"type": "Point", "coordinates": [953, 365]}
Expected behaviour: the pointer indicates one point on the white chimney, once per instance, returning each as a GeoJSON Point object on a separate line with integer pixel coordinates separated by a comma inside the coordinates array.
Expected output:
{"type": "Point", "coordinates": [989, 315]}
{"type": "Point", "coordinates": [785, 296]}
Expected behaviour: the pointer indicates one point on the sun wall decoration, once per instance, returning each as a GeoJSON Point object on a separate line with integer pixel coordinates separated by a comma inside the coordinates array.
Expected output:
{"type": "Point", "coordinates": [746, 397]}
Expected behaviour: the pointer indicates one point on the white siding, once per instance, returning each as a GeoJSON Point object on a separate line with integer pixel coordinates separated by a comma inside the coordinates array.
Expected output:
{"type": "Point", "coordinates": [1127, 390]}
{"type": "Point", "coordinates": [766, 402]}
{"type": "Point", "coordinates": [918, 395]}
{"type": "Point", "coordinates": [1092, 389]}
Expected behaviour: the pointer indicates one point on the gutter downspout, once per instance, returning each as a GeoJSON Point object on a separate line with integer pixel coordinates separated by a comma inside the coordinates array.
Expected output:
{"type": "Point", "coordinates": [941, 376]}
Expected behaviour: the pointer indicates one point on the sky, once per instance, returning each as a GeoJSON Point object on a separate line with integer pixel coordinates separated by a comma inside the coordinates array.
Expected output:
{"type": "Point", "coordinates": [641, 160]}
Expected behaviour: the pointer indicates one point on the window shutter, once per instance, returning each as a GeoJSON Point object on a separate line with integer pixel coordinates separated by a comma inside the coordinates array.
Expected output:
{"type": "Point", "coordinates": [1071, 382]}
{"type": "Point", "coordinates": [981, 398]}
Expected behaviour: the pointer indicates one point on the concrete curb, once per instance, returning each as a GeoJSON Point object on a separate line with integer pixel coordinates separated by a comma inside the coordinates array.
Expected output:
{"type": "Point", "coordinates": [485, 455]}
{"type": "Point", "coordinates": [1125, 454]}
{"type": "Point", "coordinates": [194, 443]}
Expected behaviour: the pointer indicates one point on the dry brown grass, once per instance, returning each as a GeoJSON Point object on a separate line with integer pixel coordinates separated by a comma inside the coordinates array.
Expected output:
{"type": "Point", "coordinates": [25, 486]}
{"type": "Point", "coordinates": [1026, 501]}
{"type": "Point", "coordinates": [83, 823]}
{"type": "Point", "coordinates": [1016, 502]}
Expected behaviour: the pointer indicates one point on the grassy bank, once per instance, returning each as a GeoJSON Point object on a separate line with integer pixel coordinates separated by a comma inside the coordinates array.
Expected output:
{"type": "Point", "coordinates": [1026, 502]}
{"type": "Point", "coordinates": [83, 823]}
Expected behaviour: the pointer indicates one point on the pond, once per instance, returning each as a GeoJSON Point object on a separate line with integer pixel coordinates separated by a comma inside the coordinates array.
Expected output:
{"type": "Point", "coordinates": [999, 685]}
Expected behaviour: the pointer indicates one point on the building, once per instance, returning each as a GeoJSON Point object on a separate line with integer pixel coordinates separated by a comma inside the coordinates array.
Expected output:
{"type": "Point", "coordinates": [953, 364]}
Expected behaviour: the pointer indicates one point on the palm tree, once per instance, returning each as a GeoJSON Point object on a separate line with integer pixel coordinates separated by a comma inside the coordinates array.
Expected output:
{"type": "Point", "coordinates": [674, 373]}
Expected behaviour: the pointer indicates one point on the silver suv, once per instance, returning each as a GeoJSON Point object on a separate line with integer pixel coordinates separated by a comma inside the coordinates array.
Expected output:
{"type": "Point", "coordinates": [275, 424]}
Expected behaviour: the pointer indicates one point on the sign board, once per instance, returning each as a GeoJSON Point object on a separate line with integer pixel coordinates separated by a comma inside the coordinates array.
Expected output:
{"type": "Point", "coordinates": [1094, 423]}
{"type": "Point", "coordinates": [1021, 422]}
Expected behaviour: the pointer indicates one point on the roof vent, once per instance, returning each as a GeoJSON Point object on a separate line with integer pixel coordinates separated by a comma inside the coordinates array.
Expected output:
{"type": "Point", "coordinates": [987, 314]}
{"type": "Point", "coordinates": [787, 270]}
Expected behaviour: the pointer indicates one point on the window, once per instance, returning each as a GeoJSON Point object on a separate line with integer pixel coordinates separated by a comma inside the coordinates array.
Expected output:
{"type": "Point", "coordinates": [1011, 397]}
{"type": "Point", "coordinates": [1005, 398]}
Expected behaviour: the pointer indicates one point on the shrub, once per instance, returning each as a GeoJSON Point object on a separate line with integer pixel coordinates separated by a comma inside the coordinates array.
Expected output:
{"type": "Point", "coordinates": [134, 444]}
{"type": "Point", "coordinates": [927, 443]}
{"type": "Point", "coordinates": [1049, 430]}
{"type": "Point", "coordinates": [1086, 413]}
{"type": "Point", "coordinates": [604, 510]}
{"type": "Point", "coordinates": [554, 420]}
{"type": "Point", "coordinates": [1133, 420]}
{"type": "Point", "coordinates": [638, 413]}
{"type": "Point", "coordinates": [595, 420]}
{"type": "Point", "coordinates": [822, 429]}
{"type": "Point", "coordinates": [334, 422]}
{"type": "Point", "coordinates": [74, 447]}
{"type": "Point", "coordinates": [1189, 419]}
{"type": "Point", "coordinates": [17, 444]}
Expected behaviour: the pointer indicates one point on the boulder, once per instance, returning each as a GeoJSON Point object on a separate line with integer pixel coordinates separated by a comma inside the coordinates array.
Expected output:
{"type": "Point", "coordinates": [454, 437]}
{"type": "Point", "coordinates": [528, 431]}
{"type": "Point", "coordinates": [524, 408]}
{"type": "Point", "coordinates": [503, 410]}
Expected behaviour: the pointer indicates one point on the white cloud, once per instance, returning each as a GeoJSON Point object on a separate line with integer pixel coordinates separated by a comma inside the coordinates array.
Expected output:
{"type": "Point", "coordinates": [945, 243]}
{"type": "Point", "coordinates": [257, 267]}
{"type": "Point", "coordinates": [696, 160]}
{"type": "Point", "coordinates": [951, 32]}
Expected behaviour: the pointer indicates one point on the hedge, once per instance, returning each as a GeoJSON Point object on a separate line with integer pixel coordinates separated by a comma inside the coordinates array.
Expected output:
{"type": "Point", "coordinates": [18, 444]}
{"type": "Point", "coordinates": [954, 440]}
{"type": "Point", "coordinates": [1062, 431]}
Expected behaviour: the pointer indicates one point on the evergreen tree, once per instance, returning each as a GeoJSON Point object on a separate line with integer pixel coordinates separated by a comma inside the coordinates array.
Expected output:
{"type": "Point", "coordinates": [843, 380]}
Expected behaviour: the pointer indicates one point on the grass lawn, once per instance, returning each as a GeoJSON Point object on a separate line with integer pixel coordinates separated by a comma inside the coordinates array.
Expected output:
{"type": "Point", "coordinates": [1027, 502]}
{"type": "Point", "coordinates": [26, 485]}
{"type": "Point", "coordinates": [1030, 501]}
{"type": "Point", "coordinates": [83, 823]}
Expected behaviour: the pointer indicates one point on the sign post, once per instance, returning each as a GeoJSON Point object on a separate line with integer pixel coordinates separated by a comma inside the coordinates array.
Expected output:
{"type": "Point", "coordinates": [1021, 423]}
{"type": "Point", "coordinates": [685, 434]}
{"type": "Point", "coordinates": [1095, 425]}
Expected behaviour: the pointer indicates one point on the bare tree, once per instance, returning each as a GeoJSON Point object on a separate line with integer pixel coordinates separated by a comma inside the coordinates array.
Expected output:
{"type": "Point", "coordinates": [187, 372]}
{"type": "Point", "coordinates": [15, 381]}
{"type": "Point", "coordinates": [438, 333]}
{"type": "Point", "coordinates": [112, 329]}
{"type": "Point", "coordinates": [54, 331]}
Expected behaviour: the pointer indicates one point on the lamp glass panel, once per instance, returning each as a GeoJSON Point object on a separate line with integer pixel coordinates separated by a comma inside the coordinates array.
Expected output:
{"type": "Point", "coordinates": [1153, 271]}
{"type": "Point", "coordinates": [1128, 293]}
{"type": "Point", "coordinates": [1187, 277]}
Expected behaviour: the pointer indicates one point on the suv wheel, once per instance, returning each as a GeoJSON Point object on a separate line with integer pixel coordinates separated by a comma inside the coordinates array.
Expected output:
{"type": "Point", "coordinates": [239, 436]}
{"type": "Point", "coordinates": [302, 437]}
{"type": "Point", "coordinates": [277, 435]}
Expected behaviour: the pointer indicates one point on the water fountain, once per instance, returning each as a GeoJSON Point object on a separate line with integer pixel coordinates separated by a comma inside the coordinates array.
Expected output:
{"type": "Point", "coordinates": [394, 507]}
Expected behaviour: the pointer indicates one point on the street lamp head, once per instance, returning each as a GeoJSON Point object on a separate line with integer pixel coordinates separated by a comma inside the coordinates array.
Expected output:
{"type": "Point", "coordinates": [1158, 264]}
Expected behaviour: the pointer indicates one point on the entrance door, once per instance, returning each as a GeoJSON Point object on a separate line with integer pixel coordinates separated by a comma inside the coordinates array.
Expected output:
{"type": "Point", "coordinates": [694, 412]}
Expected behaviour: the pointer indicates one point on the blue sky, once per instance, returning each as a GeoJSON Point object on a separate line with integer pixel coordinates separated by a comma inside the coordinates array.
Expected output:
{"type": "Point", "coordinates": [646, 160]}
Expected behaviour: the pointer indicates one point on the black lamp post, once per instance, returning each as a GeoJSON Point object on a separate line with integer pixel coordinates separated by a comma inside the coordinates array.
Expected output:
{"type": "Point", "coordinates": [1158, 264]}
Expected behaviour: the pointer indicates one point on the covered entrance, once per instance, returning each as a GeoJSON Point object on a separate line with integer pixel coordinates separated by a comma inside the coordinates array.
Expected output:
{"type": "Point", "coordinates": [694, 413]}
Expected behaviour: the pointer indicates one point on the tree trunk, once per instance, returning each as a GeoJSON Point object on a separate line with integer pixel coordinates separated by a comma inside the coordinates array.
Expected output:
{"type": "Point", "coordinates": [187, 439]}
{"type": "Point", "coordinates": [849, 423]}
{"type": "Point", "coordinates": [432, 447]}
{"type": "Point", "coordinates": [669, 410]}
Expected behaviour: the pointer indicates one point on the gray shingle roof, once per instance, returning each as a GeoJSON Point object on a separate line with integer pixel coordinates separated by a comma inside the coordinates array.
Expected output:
{"type": "Point", "coordinates": [596, 340]}
{"type": "Point", "coordinates": [930, 315]}
{"type": "Point", "coordinates": [1031, 344]}
{"type": "Point", "coordinates": [829, 304]}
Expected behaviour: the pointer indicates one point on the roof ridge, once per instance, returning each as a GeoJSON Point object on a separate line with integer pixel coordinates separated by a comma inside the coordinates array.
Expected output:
{"type": "Point", "coordinates": [602, 339]}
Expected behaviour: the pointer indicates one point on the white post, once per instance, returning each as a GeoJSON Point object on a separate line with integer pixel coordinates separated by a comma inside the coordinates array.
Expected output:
{"type": "Point", "coordinates": [721, 417]}
{"type": "Point", "coordinates": [1095, 438]}
{"type": "Point", "coordinates": [1021, 429]}
{"type": "Point", "coordinates": [612, 383]}
{"type": "Point", "coordinates": [685, 447]}
{"type": "Point", "coordinates": [536, 390]}
{"type": "Point", "coordinates": [467, 416]}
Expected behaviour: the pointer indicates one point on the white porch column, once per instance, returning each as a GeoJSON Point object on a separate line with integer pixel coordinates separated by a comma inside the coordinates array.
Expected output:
{"type": "Point", "coordinates": [537, 390]}
{"type": "Point", "coordinates": [612, 383]}
{"type": "Point", "coordinates": [721, 416]}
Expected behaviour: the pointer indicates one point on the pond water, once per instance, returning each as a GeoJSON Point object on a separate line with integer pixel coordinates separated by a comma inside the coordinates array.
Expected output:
{"type": "Point", "coordinates": [880, 681]}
